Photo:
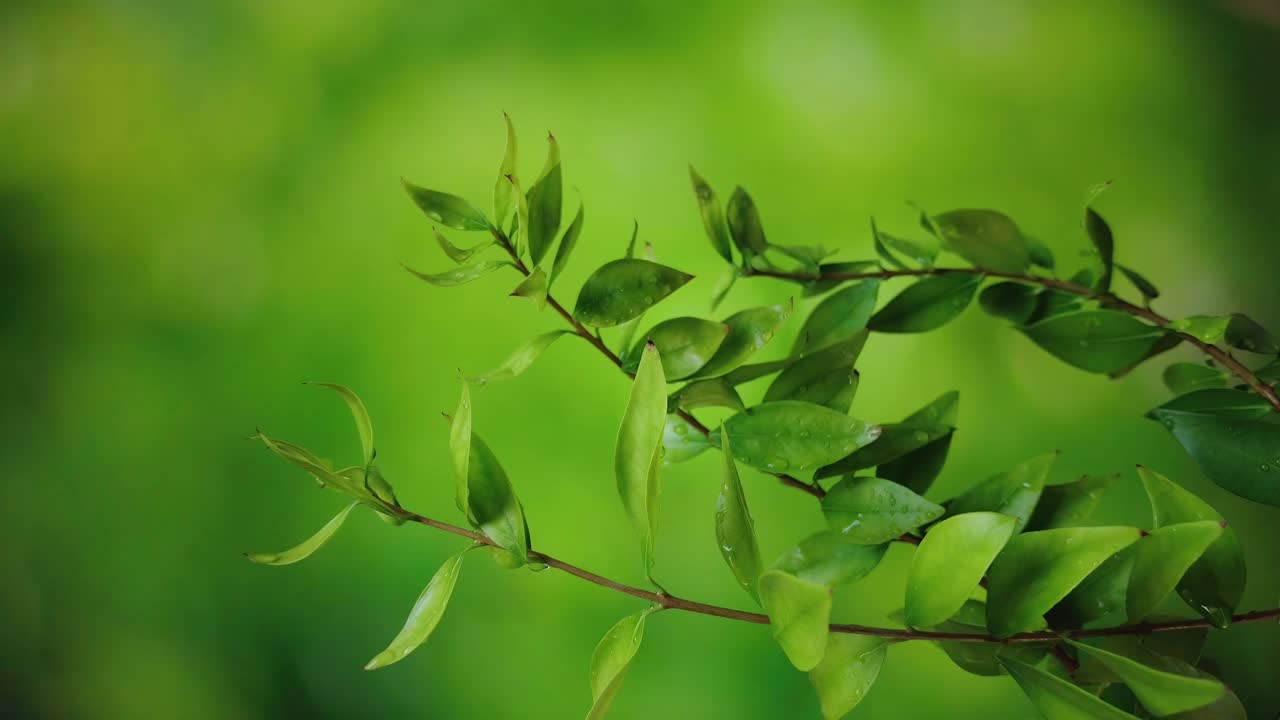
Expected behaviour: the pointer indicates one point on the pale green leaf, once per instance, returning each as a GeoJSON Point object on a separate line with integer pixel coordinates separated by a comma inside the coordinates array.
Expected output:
{"type": "Point", "coordinates": [951, 560]}
{"type": "Point", "coordinates": [749, 330]}
{"type": "Point", "coordinates": [735, 530]}
{"type": "Point", "coordinates": [534, 287]}
{"type": "Point", "coordinates": [458, 254]}
{"type": "Point", "coordinates": [638, 453]}
{"type": "Point", "coordinates": [1058, 699]}
{"type": "Point", "coordinates": [872, 511]}
{"type": "Point", "coordinates": [830, 559]}
{"type": "Point", "coordinates": [460, 275]}
{"type": "Point", "coordinates": [502, 188]}
{"type": "Point", "coordinates": [712, 216]}
{"type": "Point", "coordinates": [623, 289]}
{"type": "Point", "coordinates": [522, 359]}
{"type": "Point", "coordinates": [364, 426]}
{"type": "Point", "coordinates": [847, 671]}
{"type": "Point", "coordinates": [799, 612]}
{"type": "Point", "coordinates": [448, 210]}
{"type": "Point", "coordinates": [425, 615]}
{"type": "Point", "coordinates": [545, 205]}
{"type": "Point", "coordinates": [793, 436]}
{"type": "Point", "coordinates": [612, 659]}
{"type": "Point", "coordinates": [986, 238]}
{"type": "Point", "coordinates": [825, 377]}
{"type": "Point", "coordinates": [306, 547]}
{"type": "Point", "coordinates": [1160, 691]}
{"type": "Point", "coordinates": [685, 344]}
{"type": "Point", "coordinates": [1015, 492]}
{"type": "Point", "coordinates": [1162, 559]}
{"type": "Point", "coordinates": [568, 242]}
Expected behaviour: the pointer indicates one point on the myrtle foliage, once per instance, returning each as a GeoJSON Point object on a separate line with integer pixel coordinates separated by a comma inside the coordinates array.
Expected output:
{"type": "Point", "coordinates": [1014, 561]}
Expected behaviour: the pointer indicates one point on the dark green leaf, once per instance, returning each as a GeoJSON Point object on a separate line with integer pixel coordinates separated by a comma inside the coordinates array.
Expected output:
{"type": "Point", "coordinates": [1144, 286]}
{"type": "Point", "coordinates": [1161, 692]}
{"type": "Point", "coordinates": [1242, 456]}
{"type": "Point", "coordinates": [1058, 699]}
{"type": "Point", "coordinates": [830, 559]}
{"type": "Point", "coordinates": [448, 210]}
{"type": "Point", "coordinates": [1041, 255]}
{"type": "Point", "coordinates": [735, 531]}
{"type": "Point", "coordinates": [799, 612]}
{"type": "Point", "coordinates": [950, 562]}
{"type": "Point", "coordinates": [1009, 300]}
{"type": "Point", "coordinates": [813, 288]}
{"type": "Point", "coordinates": [744, 224]}
{"type": "Point", "coordinates": [306, 547]}
{"type": "Point", "coordinates": [424, 616]}
{"type": "Point", "coordinates": [568, 242]}
{"type": "Point", "coordinates": [840, 316]}
{"type": "Point", "coordinates": [749, 330]}
{"type": "Point", "coordinates": [457, 254]}
{"type": "Point", "coordinates": [712, 216]}
{"type": "Point", "coordinates": [927, 305]}
{"type": "Point", "coordinates": [638, 456]}
{"type": "Point", "coordinates": [686, 344]}
{"type": "Point", "coordinates": [793, 436]}
{"type": "Point", "coordinates": [494, 507]}
{"type": "Point", "coordinates": [847, 671]}
{"type": "Point", "coordinates": [1220, 402]}
{"type": "Point", "coordinates": [918, 469]}
{"type": "Point", "coordinates": [825, 377]}
{"type": "Point", "coordinates": [1182, 378]}
{"type": "Point", "coordinates": [1099, 341]}
{"type": "Point", "coordinates": [713, 392]}
{"type": "Point", "coordinates": [1161, 560]}
{"type": "Point", "coordinates": [872, 511]}
{"type": "Point", "coordinates": [1038, 569]}
{"type": "Point", "coordinates": [895, 441]}
{"type": "Point", "coordinates": [1071, 503]}
{"type": "Point", "coordinates": [623, 289]}
{"type": "Point", "coordinates": [460, 275]}
{"type": "Point", "coordinates": [1103, 242]}
{"type": "Point", "coordinates": [1235, 330]}
{"type": "Point", "coordinates": [545, 205]}
{"type": "Point", "coordinates": [681, 441]}
{"type": "Point", "coordinates": [611, 660]}
{"type": "Point", "coordinates": [1100, 595]}
{"type": "Point", "coordinates": [986, 238]}
{"type": "Point", "coordinates": [1012, 493]}
{"type": "Point", "coordinates": [522, 359]}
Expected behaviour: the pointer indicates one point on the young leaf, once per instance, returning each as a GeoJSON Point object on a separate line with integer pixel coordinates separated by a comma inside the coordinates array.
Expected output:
{"type": "Point", "coordinates": [825, 377]}
{"type": "Point", "coordinates": [681, 441]}
{"type": "Point", "coordinates": [830, 559]}
{"type": "Point", "coordinates": [749, 330]}
{"type": "Point", "coordinates": [545, 205]}
{"type": "Point", "coordinates": [842, 315]}
{"type": "Point", "coordinates": [922, 254]}
{"type": "Point", "coordinates": [494, 508]}
{"type": "Point", "coordinates": [712, 392]}
{"type": "Point", "coordinates": [1011, 493]}
{"type": "Point", "coordinates": [1012, 301]}
{"type": "Point", "coordinates": [793, 436]}
{"type": "Point", "coordinates": [735, 531]}
{"type": "Point", "coordinates": [364, 426]}
{"type": "Point", "coordinates": [534, 287]}
{"type": "Point", "coordinates": [1144, 286]}
{"type": "Point", "coordinates": [1098, 341]}
{"type": "Point", "coordinates": [424, 616]}
{"type": "Point", "coordinates": [1161, 692]}
{"type": "Point", "coordinates": [623, 289]}
{"type": "Point", "coordinates": [457, 254]}
{"type": "Point", "coordinates": [1070, 503]}
{"type": "Point", "coordinates": [460, 275]}
{"type": "Point", "coordinates": [724, 284]}
{"type": "Point", "coordinates": [986, 238]}
{"type": "Point", "coordinates": [460, 451]}
{"type": "Point", "coordinates": [927, 305]}
{"type": "Point", "coordinates": [306, 547]}
{"type": "Point", "coordinates": [895, 441]}
{"type": "Point", "coordinates": [712, 216]}
{"type": "Point", "coordinates": [448, 210]}
{"type": "Point", "coordinates": [1182, 378]}
{"type": "Point", "coordinates": [1235, 330]}
{"type": "Point", "coordinates": [1104, 243]}
{"type": "Point", "coordinates": [568, 242]}
{"type": "Point", "coordinates": [1058, 699]}
{"type": "Point", "coordinates": [847, 671]}
{"type": "Point", "coordinates": [1215, 583]}
{"type": "Point", "coordinates": [522, 359]}
{"type": "Point", "coordinates": [1037, 569]}
{"type": "Point", "coordinates": [1239, 455]}
{"type": "Point", "coordinates": [502, 188]}
{"type": "Point", "coordinates": [950, 562]}
{"type": "Point", "coordinates": [611, 660]}
{"type": "Point", "coordinates": [744, 224]}
{"type": "Point", "coordinates": [319, 469]}
{"type": "Point", "coordinates": [799, 612]}
{"type": "Point", "coordinates": [637, 459]}
{"type": "Point", "coordinates": [1162, 559]}
{"type": "Point", "coordinates": [872, 511]}
{"type": "Point", "coordinates": [685, 344]}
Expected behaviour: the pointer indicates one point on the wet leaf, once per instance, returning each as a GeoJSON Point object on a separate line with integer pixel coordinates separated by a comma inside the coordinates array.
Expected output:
{"type": "Point", "coordinates": [896, 440]}
{"type": "Point", "coordinates": [712, 216]}
{"type": "Point", "coordinates": [793, 436]}
{"type": "Point", "coordinates": [638, 455]}
{"type": "Point", "coordinates": [799, 612]}
{"type": "Point", "coordinates": [457, 254]}
{"type": "Point", "coordinates": [830, 559]}
{"type": "Point", "coordinates": [735, 530]}
{"type": "Point", "coordinates": [1099, 341]}
{"type": "Point", "coordinates": [1162, 559]}
{"type": "Point", "coordinates": [847, 671]}
{"type": "Point", "coordinates": [1160, 691]}
{"type": "Point", "coordinates": [1012, 301]}
{"type": "Point", "coordinates": [713, 392]}
{"type": "Point", "coordinates": [744, 224]}
{"type": "Point", "coordinates": [1071, 503]}
{"type": "Point", "coordinates": [460, 275]}
{"type": "Point", "coordinates": [685, 344]}
{"type": "Point", "coordinates": [448, 210]}
{"type": "Point", "coordinates": [568, 242]}
{"type": "Point", "coordinates": [873, 511]}
{"type": "Point", "coordinates": [1235, 330]}
{"type": "Point", "coordinates": [1015, 492]}
{"type": "Point", "coordinates": [460, 452]}
{"type": "Point", "coordinates": [918, 469]}
{"type": "Point", "coordinates": [951, 560]}
{"type": "Point", "coordinates": [1103, 243]}
{"type": "Point", "coordinates": [986, 238]}
{"type": "Point", "coordinates": [825, 377]}
{"type": "Point", "coordinates": [840, 316]}
{"type": "Point", "coordinates": [425, 615]}
{"type": "Point", "coordinates": [623, 289]}
{"type": "Point", "coordinates": [1058, 699]}
{"type": "Point", "coordinates": [1182, 378]}
{"type": "Point", "coordinates": [749, 330]}
{"type": "Point", "coordinates": [1038, 569]}
{"type": "Point", "coordinates": [306, 547]}
{"type": "Point", "coordinates": [612, 659]}
{"type": "Point", "coordinates": [522, 359]}
{"type": "Point", "coordinates": [1239, 455]}
{"type": "Point", "coordinates": [927, 305]}
{"type": "Point", "coordinates": [545, 205]}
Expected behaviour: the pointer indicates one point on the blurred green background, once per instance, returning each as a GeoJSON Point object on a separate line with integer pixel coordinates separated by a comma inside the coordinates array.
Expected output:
{"type": "Point", "coordinates": [199, 208]}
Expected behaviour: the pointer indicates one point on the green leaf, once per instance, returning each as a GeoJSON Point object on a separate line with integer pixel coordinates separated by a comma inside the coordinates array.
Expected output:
{"type": "Point", "coordinates": [623, 289]}
{"type": "Point", "coordinates": [927, 305]}
{"type": "Point", "coordinates": [872, 511]}
{"type": "Point", "coordinates": [1228, 707]}
{"type": "Point", "coordinates": [520, 223]}
{"type": "Point", "coordinates": [830, 559]}
{"type": "Point", "coordinates": [637, 460]}
{"type": "Point", "coordinates": [1009, 300]}
{"type": "Point", "coordinates": [749, 330]}
{"type": "Point", "coordinates": [685, 344]}
{"type": "Point", "coordinates": [1235, 330]}
{"type": "Point", "coordinates": [895, 441]}
{"type": "Point", "coordinates": [568, 242]}
{"type": "Point", "coordinates": [534, 287]}
{"type": "Point", "coordinates": [522, 359]}
{"type": "Point", "coordinates": [1058, 699]}
{"type": "Point", "coordinates": [986, 238]}
{"type": "Point", "coordinates": [448, 210]}
{"type": "Point", "coordinates": [724, 284]}
{"type": "Point", "coordinates": [319, 469]}
{"type": "Point", "coordinates": [840, 316]}
{"type": "Point", "coordinates": [918, 469]}
{"type": "Point", "coordinates": [681, 441]}
{"type": "Point", "coordinates": [712, 392]}
{"type": "Point", "coordinates": [502, 188]}
{"type": "Point", "coordinates": [1145, 287]}
{"type": "Point", "coordinates": [306, 547]}
{"type": "Point", "coordinates": [755, 371]}
{"type": "Point", "coordinates": [460, 275]}
{"type": "Point", "coordinates": [922, 254]}
{"type": "Point", "coordinates": [1220, 402]}
{"type": "Point", "coordinates": [364, 426]}
{"type": "Point", "coordinates": [1037, 569]}
{"type": "Point", "coordinates": [545, 205]}
{"type": "Point", "coordinates": [1182, 378]}
{"type": "Point", "coordinates": [611, 660]}
{"type": "Point", "coordinates": [1011, 493]}
{"type": "Point", "coordinates": [735, 530]}
{"type": "Point", "coordinates": [1070, 503]}
{"type": "Point", "coordinates": [1162, 559]}
{"type": "Point", "coordinates": [1099, 341]}
{"type": "Point", "coordinates": [793, 436]}
{"type": "Point", "coordinates": [1215, 583]}
{"type": "Point", "coordinates": [1104, 243]}
{"type": "Point", "coordinates": [712, 216]}
{"type": "Point", "coordinates": [951, 560]}
{"type": "Point", "coordinates": [495, 509]}
{"type": "Point", "coordinates": [1100, 595]}
{"type": "Point", "coordinates": [847, 671]}
{"type": "Point", "coordinates": [457, 254]}
{"type": "Point", "coordinates": [825, 377]}
{"type": "Point", "coordinates": [1161, 692]}
{"type": "Point", "coordinates": [799, 612]}
{"type": "Point", "coordinates": [424, 616]}
{"type": "Point", "coordinates": [1242, 456]}
{"type": "Point", "coordinates": [460, 452]}
{"type": "Point", "coordinates": [1041, 255]}
{"type": "Point", "coordinates": [813, 288]}
{"type": "Point", "coordinates": [744, 224]}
